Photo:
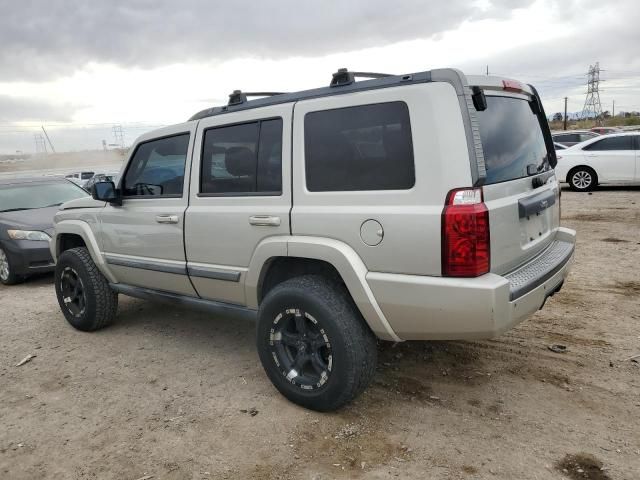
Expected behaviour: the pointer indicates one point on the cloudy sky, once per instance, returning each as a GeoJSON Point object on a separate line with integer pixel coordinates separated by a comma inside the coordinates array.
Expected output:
{"type": "Point", "coordinates": [80, 66]}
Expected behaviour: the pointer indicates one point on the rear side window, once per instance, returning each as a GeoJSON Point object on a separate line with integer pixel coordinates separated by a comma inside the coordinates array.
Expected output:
{"type": "Point", "coordinates": [157, 168]}
{"type": "Point", "coordinates": [512, 139]}
{"type": "Point", "coordinates": [612, 143]}
{"type": "Point", "coordinates": [366, 147]}
{"type": "Point", "coordinates": [243, 159]}
{"type": "Point", "coordinates": [585, 136]}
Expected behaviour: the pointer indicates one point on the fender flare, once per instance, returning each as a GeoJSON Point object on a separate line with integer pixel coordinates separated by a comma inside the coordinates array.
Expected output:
{"type": "Point", "coordinates": [343, 258]}
{"type": "Point", "coordinates": [83, 230]}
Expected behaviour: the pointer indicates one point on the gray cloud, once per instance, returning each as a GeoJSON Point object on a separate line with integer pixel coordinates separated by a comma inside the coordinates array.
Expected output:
{"type": "Point", "coordinates": [558, 67]}
{"type": "Point", "coordinates": [40, 41]}
{"type": "Point", "coordinates": [19, 109]}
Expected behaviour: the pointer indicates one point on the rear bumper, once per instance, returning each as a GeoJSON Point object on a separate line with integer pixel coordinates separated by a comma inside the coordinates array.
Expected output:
{"type": "Point", "coordinates": [438, 308]}
{"type": "Point", "coordinates": [28, 257]}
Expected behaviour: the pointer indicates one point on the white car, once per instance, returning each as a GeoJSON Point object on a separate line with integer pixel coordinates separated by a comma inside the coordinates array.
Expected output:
{"type": "Point", "coordinates": [605, 159]}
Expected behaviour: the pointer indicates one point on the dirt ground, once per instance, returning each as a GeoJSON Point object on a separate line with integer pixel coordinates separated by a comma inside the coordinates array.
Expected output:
{"type": "Point", "coordinates": [171, 394]}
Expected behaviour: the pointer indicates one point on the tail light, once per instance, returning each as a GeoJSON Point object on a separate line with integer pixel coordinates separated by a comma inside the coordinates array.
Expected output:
{"type": "Point", "coordinates": [465, 234]}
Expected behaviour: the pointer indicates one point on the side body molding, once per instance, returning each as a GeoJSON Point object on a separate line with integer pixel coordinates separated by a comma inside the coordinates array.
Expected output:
{"type": "Point", "coordinates": [348, 264]}
{"type": "Point", "coordinates": [83, 230]}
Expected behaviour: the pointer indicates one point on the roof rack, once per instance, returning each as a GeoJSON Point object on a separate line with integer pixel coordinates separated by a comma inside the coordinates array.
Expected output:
{"type": "Point", "coordinates": [344, 77]}
{"type": "Point", "coordinates": [238, 96]}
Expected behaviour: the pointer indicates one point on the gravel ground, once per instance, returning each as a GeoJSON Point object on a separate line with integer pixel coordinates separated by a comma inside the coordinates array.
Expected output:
{"type": "Point", "coordinates": [171, 394]}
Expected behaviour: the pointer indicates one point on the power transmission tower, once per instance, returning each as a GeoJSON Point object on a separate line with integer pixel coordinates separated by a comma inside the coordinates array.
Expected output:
{"type": "Point", "coordinates": [41, 146]}
{"type": "Point", "coordinates": [118, 135]}
{"type": "Point", "coordinates": [592, 106]}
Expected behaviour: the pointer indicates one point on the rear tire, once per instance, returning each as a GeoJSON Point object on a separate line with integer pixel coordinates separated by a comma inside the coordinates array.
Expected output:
{"type": "Point", "coordinates": [7, 275]}
{"type": "Point", "coordinates": [313, 343]}
{"type": "Point", "coordinates": [84, 295]}
{"type": "Point", "coordinates": [582, 179]}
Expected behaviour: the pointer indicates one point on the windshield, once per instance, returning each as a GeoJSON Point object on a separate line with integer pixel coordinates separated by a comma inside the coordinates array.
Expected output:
{"type": "Point", "coordinates": [511, 139]}
{"type": "Point", "coordinates": [37, 195]}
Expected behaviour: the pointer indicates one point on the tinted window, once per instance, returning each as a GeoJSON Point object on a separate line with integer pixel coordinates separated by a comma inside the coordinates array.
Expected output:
{"type": "Point", "coordinates": [512, 139]}
{"type": "Point", "coordinates": [244, 158]}
{"type": "Point", "coordinates": [611, 143]}
{"type": "Point", "coordinates": [585, 136]}
{"type": "Point", "coordinates": [157, 168]}
{"type": "Point", "coordinates": [359, 148]}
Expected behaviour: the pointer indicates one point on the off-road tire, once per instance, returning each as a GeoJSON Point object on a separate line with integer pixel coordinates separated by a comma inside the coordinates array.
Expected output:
{"type": "Point", "coordinates": [11, 278]}
{"type": "Point", "coordinates": [582, 179]}
{"type": "Point", "coordinates": [352, 345]}
{"type": "Point", "coordinates": [101, 302]}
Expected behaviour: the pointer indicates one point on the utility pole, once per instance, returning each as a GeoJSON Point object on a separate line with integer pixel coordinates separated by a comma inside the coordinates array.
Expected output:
{"type": "Point", "coordinates": [41, 146]}
{"type": "Point", "coordinates": [613, 110]}
{"type": "Point", "coordinates": [592, 106]}
{"type": "Point", "coordinates": [48, 139]}
{"type": "Point", "coordinates": [487, 70]}
{"type": "Point", "coordinates": [565, 113]}
{"type": "Point", "coordinates": [118, 135]}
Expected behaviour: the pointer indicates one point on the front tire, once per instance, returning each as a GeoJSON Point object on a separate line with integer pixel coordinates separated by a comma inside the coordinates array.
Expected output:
{"type": "Point", "coordinates": [7, 274]}
{"type": "Point", "coordinates": [84, 295]}
{"type": "Point", "coordinates": [313, 343]}
{"type": "Point", "coordinates": [582, 179]}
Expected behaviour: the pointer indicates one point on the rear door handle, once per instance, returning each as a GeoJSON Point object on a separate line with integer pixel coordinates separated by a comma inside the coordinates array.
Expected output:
{"type": "Point", "coordinates": [167, 218]}
{"type": "Point", "coordinates": [264, 221]}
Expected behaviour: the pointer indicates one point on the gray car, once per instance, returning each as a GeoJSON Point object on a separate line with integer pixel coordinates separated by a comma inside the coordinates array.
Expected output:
{"type": "Point", "coordinates": [27, 208]}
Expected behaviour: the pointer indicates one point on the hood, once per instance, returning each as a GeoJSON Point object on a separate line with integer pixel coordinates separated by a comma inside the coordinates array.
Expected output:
{"type": "Point", "coordinates": [36, 219]}
{"type": "Point", "coordinates": [84, 202]}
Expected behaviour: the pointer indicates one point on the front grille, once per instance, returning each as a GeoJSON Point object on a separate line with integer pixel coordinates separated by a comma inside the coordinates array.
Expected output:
{"type": "Point", "coordinates": [540, 269]}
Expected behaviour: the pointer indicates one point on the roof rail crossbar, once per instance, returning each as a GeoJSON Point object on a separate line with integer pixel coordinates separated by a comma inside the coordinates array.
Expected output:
{"type": "Point", "coordinates": [344, 77]}
{"type": "Point", "coordinates": [238, 96]}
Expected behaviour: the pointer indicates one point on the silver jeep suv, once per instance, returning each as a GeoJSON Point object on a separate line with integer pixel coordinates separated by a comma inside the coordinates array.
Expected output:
{"type": "Point", "coordinates": [411, 207]}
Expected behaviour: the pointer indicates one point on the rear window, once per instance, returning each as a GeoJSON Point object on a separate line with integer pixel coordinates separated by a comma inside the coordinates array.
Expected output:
{"type": "Point", "coordinates": [367, 147]}
{"type": "Point", "coordinates": [511, 139]}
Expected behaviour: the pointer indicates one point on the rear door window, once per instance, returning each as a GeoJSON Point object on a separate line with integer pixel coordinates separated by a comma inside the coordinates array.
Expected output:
{"type": "Point", "coordinates": [511, 139]}
{"type": "Point", "coordinates": [611, 143]}
{"type": "Point", "coordinates": [243, 159]}
{"type": "Point", "coordinates": [365, 147]}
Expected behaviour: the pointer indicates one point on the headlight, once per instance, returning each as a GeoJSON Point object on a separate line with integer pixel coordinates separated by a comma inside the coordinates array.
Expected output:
{"type": "Point", "coordinates": [28, 235]}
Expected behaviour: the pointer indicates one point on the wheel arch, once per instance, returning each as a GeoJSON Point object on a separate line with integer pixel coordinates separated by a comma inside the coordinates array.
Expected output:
{"type": "Point", "coordinates": [278, 259]}
{"type": "Point", "coordinates": [76, 233]}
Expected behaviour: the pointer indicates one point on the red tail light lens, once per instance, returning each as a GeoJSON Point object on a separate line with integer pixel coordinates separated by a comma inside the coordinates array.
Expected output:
{"type": "Point", "coordinates": [465, 234]}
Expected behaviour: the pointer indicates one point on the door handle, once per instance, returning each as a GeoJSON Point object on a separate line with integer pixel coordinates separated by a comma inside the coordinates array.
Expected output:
{"type": "Point", "coordinates": [167, 218]}
{"type": "Point", "coordinates": [264, 221]}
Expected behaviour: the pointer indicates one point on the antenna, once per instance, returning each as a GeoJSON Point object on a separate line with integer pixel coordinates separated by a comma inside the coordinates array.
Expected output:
{"type": "Point", "coordinates": [592, 106]}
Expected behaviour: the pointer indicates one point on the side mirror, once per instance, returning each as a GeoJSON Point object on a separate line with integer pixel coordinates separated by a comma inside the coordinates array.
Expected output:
{"type": "Point", "coordinates": [106, 192]}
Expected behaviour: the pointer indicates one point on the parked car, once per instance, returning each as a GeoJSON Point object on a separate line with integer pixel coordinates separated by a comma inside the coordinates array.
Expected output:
{"type": "Point", "coordinates": [410, 207]}
{"type": "Point", "coordinates": [559, 146]}
{"type": "Point", "coordinates": [605, 130]}
{"type": "Point", "coordinates": [100, 177]}
{"type": "Point", "coordinates": [613, 158]}
{"type": "Point", "coordinates": [27, 207]}
{"type": "Point", "coordinates": [79, 178]}
{"type": "Point", "coordinates": [569, 138]}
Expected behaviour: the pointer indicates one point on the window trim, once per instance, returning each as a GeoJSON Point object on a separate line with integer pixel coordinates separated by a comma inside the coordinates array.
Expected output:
{"type": "Point", "coordinates": [120, 185]}
{"type": "Point", "coordinates": [360, 191]}
{"type": "Point", "coordinates": [274, 193]}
